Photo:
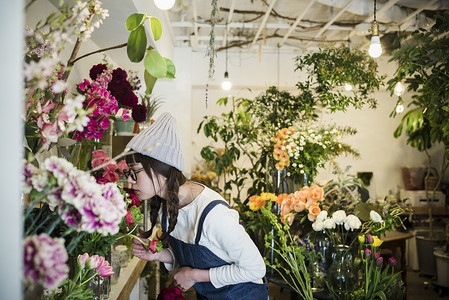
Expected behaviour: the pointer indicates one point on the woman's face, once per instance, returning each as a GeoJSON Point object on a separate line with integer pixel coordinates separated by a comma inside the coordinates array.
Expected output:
{"type": "Point", "coordinates": [144, 186]}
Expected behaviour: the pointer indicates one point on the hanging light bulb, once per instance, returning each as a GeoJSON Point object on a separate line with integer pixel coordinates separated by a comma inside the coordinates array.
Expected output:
{"type": "Point", "coordinates": [398, 88]}
{"type": "Point", "coordinates": [164, 4]}
{"type": "Point", "coordinates": [348, 87]}
{"type": "Point", "coordinates": [226, 84]}
{"type": "Point", "coordinates": [375, 48]}
{"type": "Point", "coordinates": [400, 108]}
{"type": "Point", "coordinates": [400, 105]}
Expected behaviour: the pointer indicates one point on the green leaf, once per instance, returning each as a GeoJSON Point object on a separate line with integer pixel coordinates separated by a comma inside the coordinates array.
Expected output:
{"type": "Point", "coordinates": [137, 43]}
{"type": "Point", "coordinates": [134, 21]}
{"type": "Point", "coordinates": [171, 69]}
{"type": "Point", "coordinates": [150, 81]}
{"type": "Point", "coordinates": [156, 28]}
{"type": "Point", "coordinates": [155, 64]}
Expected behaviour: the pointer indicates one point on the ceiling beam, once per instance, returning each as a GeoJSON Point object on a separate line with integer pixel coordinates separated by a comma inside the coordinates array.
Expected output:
{"type": "Point", "coordinates": [298, 19]}
{"type": "Point", "coordinates": [189, 24]}
{"type": "Point", "coordinates": [262, 24]}
{"type": "Point", "coordinates": [194, 38]}
{"type": "Point", "coordinates": [228, 21]}
{"type": "Point", "coordinates": [331, 21]}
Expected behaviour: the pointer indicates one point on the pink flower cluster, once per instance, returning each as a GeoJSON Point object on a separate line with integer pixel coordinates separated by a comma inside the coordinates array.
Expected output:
{"type": "Point", "coordinates": [99, 157]}
{"type": "Point", "coordinates": [81, 201]}
{"type": "Point", "coordinates": [133, 201]}
{"type": "Point", "coordinates": [44, 260]}
{"type": "Point", "coordinates": [95, 262]}
{"type": "Point", "coordinates": [101, 102]}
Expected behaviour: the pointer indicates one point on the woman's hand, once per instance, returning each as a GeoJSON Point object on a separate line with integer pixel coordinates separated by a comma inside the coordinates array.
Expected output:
{"type": "Point", "coordinates": [143, 252]}
{"type": "Point", "coordinates": [186, 277]}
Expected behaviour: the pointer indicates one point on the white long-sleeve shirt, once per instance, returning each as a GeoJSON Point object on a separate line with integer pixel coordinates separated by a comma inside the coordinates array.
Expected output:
{"type": "Point", "coordinates": [224, 236]}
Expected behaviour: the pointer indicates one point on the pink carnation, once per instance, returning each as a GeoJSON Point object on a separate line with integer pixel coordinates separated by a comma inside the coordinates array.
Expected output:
{"type": "Point", "coordinates": [44, 260]}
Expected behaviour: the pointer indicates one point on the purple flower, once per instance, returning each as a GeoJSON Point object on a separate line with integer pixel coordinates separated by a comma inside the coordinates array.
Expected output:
{"type": "Point", "coordinates": [45, 260]}
{"type": "Point", "coordinates": [369, 239]}
{"type": "Point", "coordinates": [376, 255]}
{"type": "Point", "coordinates": [379, 261]}
{"type": "Point", "coordinates": [139, 113]}
{"type": "Point", "coordinates": [97, 70]}
{"type": "Point", "coordinates": [367, 253]}
{"type": "Point", "coordinates": [392, 261]}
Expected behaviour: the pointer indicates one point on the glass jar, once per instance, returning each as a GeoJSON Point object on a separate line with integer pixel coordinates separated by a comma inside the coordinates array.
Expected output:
{"type": "Point", "coordinates": [340, 274]}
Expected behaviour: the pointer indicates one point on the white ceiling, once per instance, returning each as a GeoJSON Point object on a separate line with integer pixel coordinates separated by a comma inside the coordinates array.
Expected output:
{"type": "Point", "coordinates": [250, 24]}
{"type": "Point", "coordinates": [263, 25]}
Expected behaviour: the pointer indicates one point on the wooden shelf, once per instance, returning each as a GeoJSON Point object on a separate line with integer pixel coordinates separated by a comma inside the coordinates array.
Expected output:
{"type": "Point", "coordinates": [424, 210]}
{"type": "Point", "coordinates": [127, 279]}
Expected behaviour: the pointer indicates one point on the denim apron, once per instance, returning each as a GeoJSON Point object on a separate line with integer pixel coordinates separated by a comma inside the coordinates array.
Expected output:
{"type": "Point", "coordinates": [200, 257]}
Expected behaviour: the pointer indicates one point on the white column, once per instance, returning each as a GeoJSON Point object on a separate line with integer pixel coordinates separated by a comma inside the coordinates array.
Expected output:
{"type": "Point", "coordinates": [11, 127]}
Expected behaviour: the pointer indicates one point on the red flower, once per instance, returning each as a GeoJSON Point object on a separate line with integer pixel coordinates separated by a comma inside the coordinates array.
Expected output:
{"type": "Point", "coordinates": [97, 70]}
{"type": "Point", "coordinates": [118, 75]}
{"type": "Point", "coordinates": [170, 293]}
{"type": "Point", "coordinates": [129, 218]}
{"type": "Point", "coordinates": [139, 113]}
{"type": "Point", "coordinates": [134, 200]}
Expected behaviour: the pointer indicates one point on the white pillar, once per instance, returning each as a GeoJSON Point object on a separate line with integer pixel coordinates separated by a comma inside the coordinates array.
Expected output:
{"type": "Point", "coordinates": [11, 127]}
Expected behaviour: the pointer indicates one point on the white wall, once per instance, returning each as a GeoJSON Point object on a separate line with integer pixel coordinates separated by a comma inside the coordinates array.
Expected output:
{"type": "Point", "coordinates": [11, 24]}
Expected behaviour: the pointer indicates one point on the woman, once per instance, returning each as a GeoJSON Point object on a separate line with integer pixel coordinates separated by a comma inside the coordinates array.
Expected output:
{"type": "Point", "coordinates": [211, 250]}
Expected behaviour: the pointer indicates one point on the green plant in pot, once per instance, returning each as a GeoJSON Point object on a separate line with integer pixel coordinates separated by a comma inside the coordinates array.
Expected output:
{"type": "Point", "coordinates": [422, 66]}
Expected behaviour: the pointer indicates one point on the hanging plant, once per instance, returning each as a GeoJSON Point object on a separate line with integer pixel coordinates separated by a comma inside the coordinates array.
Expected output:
{"type": "Point", "coordinates": [332, 67]}
{"type": "Point", "coordinates": [211, 52]}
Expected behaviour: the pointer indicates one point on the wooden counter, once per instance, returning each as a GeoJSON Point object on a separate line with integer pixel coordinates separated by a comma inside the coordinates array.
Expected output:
{"type": "Point", "coordinates": [127, 279]}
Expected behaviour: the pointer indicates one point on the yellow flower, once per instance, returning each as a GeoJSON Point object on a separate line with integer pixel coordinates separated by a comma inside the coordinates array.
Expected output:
{"type": "Point", "coordinates": [377, 241]}
{"type": "Point", "coordinates": [253, 206]}
{"type": "Point", "coordinates": [268, 196]}
{"type": "Point", "coordinates": [211, 174]}
{"type": "Point", "coordinates": [361, 239]}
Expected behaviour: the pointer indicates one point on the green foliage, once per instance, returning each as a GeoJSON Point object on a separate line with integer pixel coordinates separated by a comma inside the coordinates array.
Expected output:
{"type": "Point", "coordinates": [423, 66]}
{"type": "Point", "coordinates": [330, 67]}
{"type": "Point", "coordinates": [156, 66]}
{"type": "Point", "coordinates": [94, 243]}
{"type": "Point", "coordinates": [243, 134]}
{"type": "Point", "coordinates": [72, 290]}
{"type": "Point", "coordinates": [292, 264]}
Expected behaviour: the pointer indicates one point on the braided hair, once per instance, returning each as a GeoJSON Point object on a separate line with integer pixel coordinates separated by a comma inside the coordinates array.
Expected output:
{"type": "Point", "coordinates": [175, 179]}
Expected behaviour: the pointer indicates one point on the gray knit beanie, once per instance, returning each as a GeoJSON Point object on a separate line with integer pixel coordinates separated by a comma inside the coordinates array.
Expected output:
{"type": "Point", "coordinates": [160, 141]}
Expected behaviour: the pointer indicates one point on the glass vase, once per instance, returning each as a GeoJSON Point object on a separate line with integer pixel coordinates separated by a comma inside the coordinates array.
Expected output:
{"type": "Point", "coordinates": [340, 274]}
{"type": "Point", "coordinates": [316, 273]}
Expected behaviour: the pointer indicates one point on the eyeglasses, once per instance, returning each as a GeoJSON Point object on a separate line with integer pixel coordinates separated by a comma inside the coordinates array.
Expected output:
{"type": "Point", "coordinates": [133, 173]}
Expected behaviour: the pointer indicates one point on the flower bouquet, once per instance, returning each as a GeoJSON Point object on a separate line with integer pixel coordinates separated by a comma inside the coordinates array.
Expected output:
{"type": "Point", "coordinates": [305, 147]}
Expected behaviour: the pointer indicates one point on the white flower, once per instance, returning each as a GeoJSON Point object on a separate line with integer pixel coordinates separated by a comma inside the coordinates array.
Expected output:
{"type": "Point", "coordinates": [318, 225]}
{"type": "Point", "coordinates": [339, 217]}
{"type": "Point", "coordinates": [329, 223]}
{"type": "Point", "coordinates": [375, 217]}
{"type": "Point", "coordinates": [321, 216]}
{"type": "Point", "coordinates": [352, 222]}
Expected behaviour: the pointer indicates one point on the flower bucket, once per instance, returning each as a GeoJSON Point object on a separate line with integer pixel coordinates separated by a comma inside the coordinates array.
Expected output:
{"type": "Point", "coordinates": [124, 127]}
{"type": "Point", "coordinates": [442, 262]}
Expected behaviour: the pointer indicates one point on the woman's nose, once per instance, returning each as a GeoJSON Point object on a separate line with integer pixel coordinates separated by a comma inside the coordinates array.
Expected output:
{"type": "Point", "coordinates": [130, 180]}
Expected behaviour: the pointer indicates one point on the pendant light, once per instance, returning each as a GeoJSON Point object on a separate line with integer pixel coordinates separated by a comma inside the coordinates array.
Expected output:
{"type": "Point", "coordinates": [226, 84]}
{"type": "Point", "coordinates": [164, 4]}
{"type": "Point", "coordinates": [400, 106]}
{"type": "Point", "coordinates": [398, 88]}
{"type": "Point", "coordinates": [375, 48]}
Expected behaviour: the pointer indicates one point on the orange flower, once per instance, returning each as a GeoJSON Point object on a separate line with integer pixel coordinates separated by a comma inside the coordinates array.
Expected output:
{"type": "Point", "coordinates": [288, 218]}
{"type": "Point", "coordinates": [316, 193]}
{"type": "Point", "coordinates": [281, 198]}
{"type": "Point", "coordinates": [279, 166]}
{"type": "Point", "coordinates": [314, 211]}
{"type": "Point", "coordinates": [253, 198]}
